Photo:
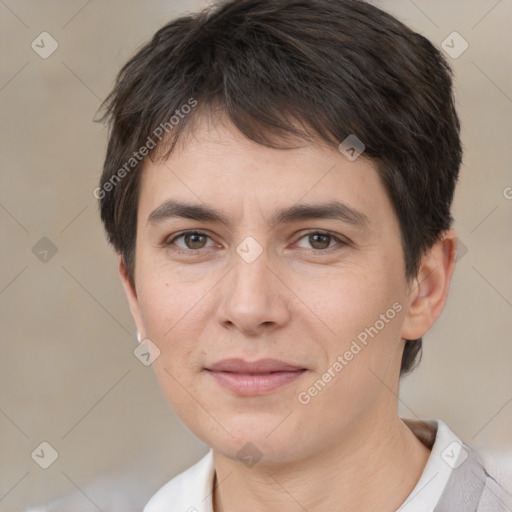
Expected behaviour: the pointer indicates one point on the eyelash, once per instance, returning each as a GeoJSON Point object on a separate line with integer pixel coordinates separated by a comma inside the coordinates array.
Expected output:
{"type": "Point", "coordinates": [190, 252]}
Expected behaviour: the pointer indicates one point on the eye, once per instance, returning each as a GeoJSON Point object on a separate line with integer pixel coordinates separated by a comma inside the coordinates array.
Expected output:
{"type": "Point", "coordinates": [193, 240]}
{"type": "Point", "coordinates": [321, 240]}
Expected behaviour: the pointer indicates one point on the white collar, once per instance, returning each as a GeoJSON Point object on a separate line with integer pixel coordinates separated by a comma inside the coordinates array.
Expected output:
{"type": "Point", "coordinates": [191, 491]}
{"type": "Point", "coordinates": [444, 457]}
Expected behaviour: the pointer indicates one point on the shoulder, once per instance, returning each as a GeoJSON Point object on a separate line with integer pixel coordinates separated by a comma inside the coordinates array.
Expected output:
{"type": "Point", "coordinates": [457, 476]}
{"type": "Point", "coordinates": [473, 485]}
{"type": "Point", "coordinates": [187, 491]}
{"type": "Point", "coordinates": [497, 490]}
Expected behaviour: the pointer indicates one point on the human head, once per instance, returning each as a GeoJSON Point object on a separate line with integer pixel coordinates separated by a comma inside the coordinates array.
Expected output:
{"type": "Point", "coordinates": [279, 69]}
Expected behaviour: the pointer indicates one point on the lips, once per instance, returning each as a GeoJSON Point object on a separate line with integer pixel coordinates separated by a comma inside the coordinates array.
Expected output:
{"type": "Point", "coordinates": [251, 378]}
{"type": "Point", "coordinates": [254, 367]}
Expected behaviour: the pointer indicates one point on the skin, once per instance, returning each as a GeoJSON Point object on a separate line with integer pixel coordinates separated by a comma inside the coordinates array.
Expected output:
{"type": "Point", "coordinates": [299, 302]}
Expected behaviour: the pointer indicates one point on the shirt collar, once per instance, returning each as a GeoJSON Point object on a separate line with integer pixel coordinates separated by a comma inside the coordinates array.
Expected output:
{"type": "Point", "coordinates": [446, 448]}
{"type": "Point", "coordinates": [191, 491]}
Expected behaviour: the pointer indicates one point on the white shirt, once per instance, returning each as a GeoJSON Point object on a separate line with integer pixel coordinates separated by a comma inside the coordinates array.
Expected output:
{"type": "Point", "coordinates": [191, 491]}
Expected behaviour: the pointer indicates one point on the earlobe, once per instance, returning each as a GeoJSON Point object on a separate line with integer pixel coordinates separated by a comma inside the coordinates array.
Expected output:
{"type": "Point", "coordinates": [429, 290]}
{"type": "Point", "coordinates": [131, 295]}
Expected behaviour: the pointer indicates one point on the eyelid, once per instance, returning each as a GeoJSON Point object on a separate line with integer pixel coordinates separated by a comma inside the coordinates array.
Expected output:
{"type": "Point", "coordinates": [172, 238]}
{"type": "Point", "coordinates": [339, 239]}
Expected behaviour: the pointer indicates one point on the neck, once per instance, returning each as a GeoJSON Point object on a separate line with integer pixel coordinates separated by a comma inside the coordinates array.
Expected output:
{"type": "Point", "coordinates": [368, 470]}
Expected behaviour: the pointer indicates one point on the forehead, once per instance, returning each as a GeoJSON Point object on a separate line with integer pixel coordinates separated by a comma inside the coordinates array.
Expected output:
{"type": "Point", "coordinates": [216, 165]}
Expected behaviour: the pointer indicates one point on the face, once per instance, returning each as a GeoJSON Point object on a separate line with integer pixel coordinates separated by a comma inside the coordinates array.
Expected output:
{"type": "Point", "coordinates": [289, 255]}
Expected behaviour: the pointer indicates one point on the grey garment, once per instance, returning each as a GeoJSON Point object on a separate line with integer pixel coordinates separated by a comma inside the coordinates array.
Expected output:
{"type": "Point", "coordinates": [470, 488]}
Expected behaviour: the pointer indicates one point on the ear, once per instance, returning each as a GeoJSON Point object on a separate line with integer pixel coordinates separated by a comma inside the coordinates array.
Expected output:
{"type": "Point", "coordinates": [131, 295]}
{"type": "Point", "coordinates": [429, 290]}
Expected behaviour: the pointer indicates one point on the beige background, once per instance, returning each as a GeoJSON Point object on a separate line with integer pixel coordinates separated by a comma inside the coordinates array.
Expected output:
{"type": "Point", "coordinates": [67, 372]}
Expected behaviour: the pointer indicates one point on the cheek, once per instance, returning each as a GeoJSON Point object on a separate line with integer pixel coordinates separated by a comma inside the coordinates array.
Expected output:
{"type": "Point", "coordinates": [169, 295]}
{"type": "Point", "coordinates": [173, 312]}
{"type": "Point", "coordinates": [346, 302]}
{"type": "Point", "coordinates": [364, 314]}
{"type": "Point", "coordinates": [366, 320]}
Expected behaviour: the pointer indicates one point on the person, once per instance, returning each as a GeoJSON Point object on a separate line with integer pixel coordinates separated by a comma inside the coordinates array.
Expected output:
{"type": "Point", "coordinates": [277, 184]}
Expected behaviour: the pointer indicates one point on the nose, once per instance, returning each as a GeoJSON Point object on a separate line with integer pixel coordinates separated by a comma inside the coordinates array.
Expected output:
{"type": "Point", "coordinates": [253, 298]}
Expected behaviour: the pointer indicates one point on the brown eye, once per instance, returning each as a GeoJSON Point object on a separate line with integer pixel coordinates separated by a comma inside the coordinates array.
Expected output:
{"type": "Point", "coordinates": [190, 241]}
{"type": "Point", "coordinates": [320, 241]}
{"type": "Point", "coordinates": [194, 241]}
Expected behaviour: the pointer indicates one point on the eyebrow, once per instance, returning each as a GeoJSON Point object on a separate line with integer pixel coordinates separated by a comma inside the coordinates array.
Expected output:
{"type": "Point", "coordinates": [332, 210]}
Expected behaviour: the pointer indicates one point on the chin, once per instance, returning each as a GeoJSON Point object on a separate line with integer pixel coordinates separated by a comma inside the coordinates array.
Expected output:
{"type": "Point", "coordinates": [258, 442]}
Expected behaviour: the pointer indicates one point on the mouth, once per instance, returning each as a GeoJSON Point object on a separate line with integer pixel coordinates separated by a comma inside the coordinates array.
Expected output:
{"type": "Point", "coordinates": [245, 378]}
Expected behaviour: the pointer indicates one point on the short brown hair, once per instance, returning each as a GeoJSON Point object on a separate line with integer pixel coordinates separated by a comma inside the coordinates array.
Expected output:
{"type": "Point", "coordinates": [333, 67]}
